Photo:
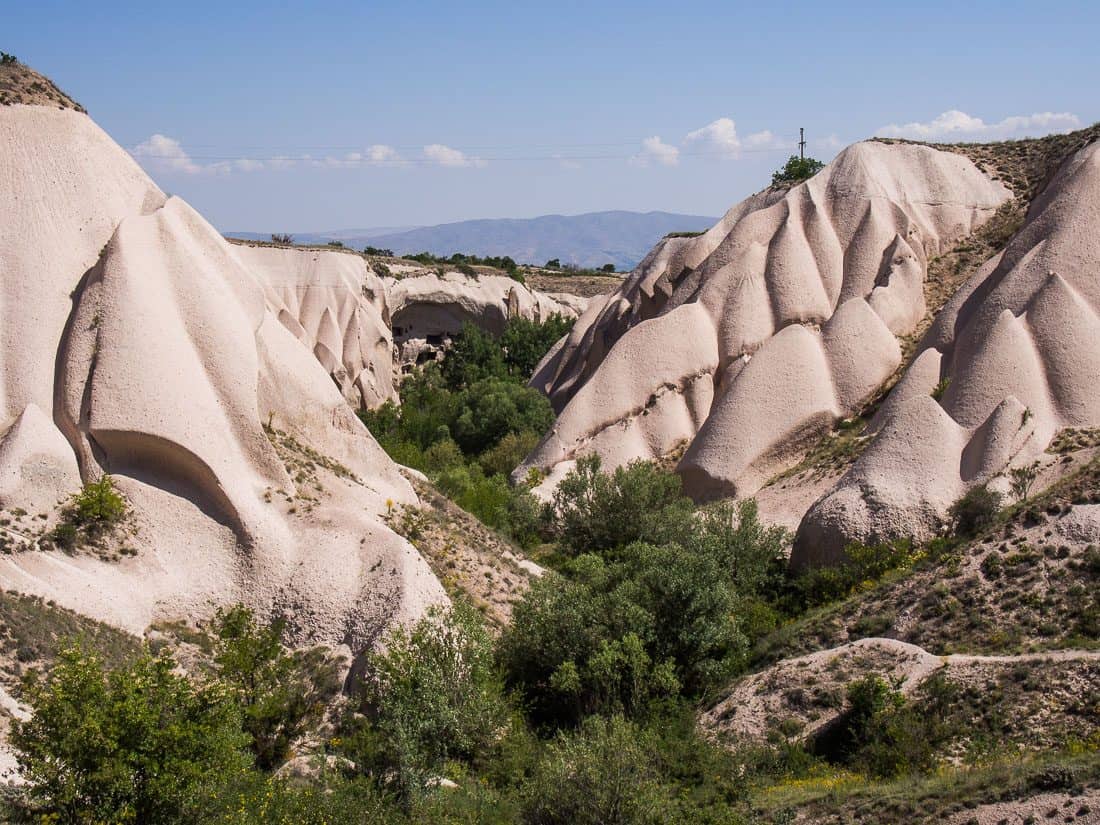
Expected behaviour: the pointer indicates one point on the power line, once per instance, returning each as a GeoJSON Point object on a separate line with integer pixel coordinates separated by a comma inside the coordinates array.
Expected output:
{"type": "Point", "coordinates": [366, 161]}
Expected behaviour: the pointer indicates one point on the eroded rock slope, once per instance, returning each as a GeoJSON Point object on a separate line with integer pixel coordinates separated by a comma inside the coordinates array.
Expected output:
{"type": "Point", "coordinates": [1010, 360]}
{"type": "Point", "coordinates": [754, 337]}
{"type": "Point", "coordinates": [135, 341]}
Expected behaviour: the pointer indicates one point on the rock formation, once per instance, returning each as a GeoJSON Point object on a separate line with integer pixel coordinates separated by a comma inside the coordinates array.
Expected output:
{"type": "Point", "coordinates": [756, 336]}
{"type": "Point", "coordinates": [428, 308]}
{"type": "Point", "coordinates": [1015, 352]}
{"type": "Point", "coordinates": [136, 341]}
{"type": "Point", "coordinates": [334, 304]}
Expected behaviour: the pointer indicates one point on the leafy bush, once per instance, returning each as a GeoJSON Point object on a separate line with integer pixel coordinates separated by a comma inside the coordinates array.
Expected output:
{"type": "Point", "coordinates": [1022, 480]}
{"type": "Point", "coordinates": [466, 263]}
{"type": "Point", "coordinates": [885, 734]}
{"type": "Point", "coordinates": [475, 354]}
{"type": "Point", "coordinates": [526, 342]}
{"type": "Point", "coordinates": [94, 511]}
{"type": "Point", "coordinates": [593, 511]}
{"type": "Point", "coordinates": [135, 744]}
{"type": "Point", "coordinates": [603, 774]}
{"type": "Point", "coordinates": [940, 388]}
{"type": "Point", "coordinates": [256, 799]}
{"type": "Point", "coordinates": [863, 564]}
{"type": "Point", "coordinates": [432, 695]}
{"type": "Point", "coordinates": [508, 452]}
{"type": "Point", "coordinates": [976, 510]}
{"type": "Point", "coordinates": [491, 409]}
{"type": "Point", "coordinates": [614, 636]}
{"type": "Point", "coordinates": [797, 169]}
{"type": "Point", "coordinates": [279, 694]}
{"type": "Point", "coordinates": [97, 506]}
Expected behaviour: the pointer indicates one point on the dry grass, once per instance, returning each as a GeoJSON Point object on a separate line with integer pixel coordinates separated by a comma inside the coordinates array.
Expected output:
{"type": "Point", "coordinates": [22, 84]}
{"type": "Point", "coordinates": [471, 560]}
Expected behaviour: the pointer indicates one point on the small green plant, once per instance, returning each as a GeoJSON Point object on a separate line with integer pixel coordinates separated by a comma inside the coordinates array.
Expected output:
{"type": "Point", "coordinates": [976, 510]}
{"type": "Point", "coordinates": [797, 169]}
{"type": "Point", "coordinates": [65, 536]}
{"type": "Point", "coordinates": [1022, 480]}
{"type": "Point", "coordinates": [941, 388]}
{"type": "Point", "coordinates": [8, 59]}
{"type": "Point", "coordinates": [98, 505]}
{"type": "Point", "coordinates": [92, 513]}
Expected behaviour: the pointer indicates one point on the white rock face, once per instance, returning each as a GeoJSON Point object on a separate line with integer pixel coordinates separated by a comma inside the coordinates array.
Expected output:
{"type": "Point", "coordinates": [135, 341]}
{"type": "Point", "coordinates": [755, 336]}
{"type": "Point", "coordinates": [426, 309]}
{"type": "Point", "coordinates": [334, 304]}
{"type": "Point", "coordinates": [1018, 345]}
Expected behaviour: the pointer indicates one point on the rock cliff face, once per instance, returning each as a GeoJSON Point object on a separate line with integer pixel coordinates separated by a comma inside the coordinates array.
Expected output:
{"type": "Point", "coordinates": [427, 309]}
{"type": "Point", "coordinates": [1016, 350]}
{"type": "Point", "coordinates": [135, 341]}
{"type": "Point", "coordinates": [334, 304]}
{"type": "Point", "coordinates": [747, 341]}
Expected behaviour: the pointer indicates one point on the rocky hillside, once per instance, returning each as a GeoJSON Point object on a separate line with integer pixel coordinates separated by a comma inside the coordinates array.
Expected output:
{"type": "Point", "coordinates": [770, 346]}
{"type": "Point", "coordinates": [136, 342]}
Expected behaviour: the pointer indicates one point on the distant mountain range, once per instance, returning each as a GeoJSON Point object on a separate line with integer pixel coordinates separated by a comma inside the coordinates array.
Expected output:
{"type": "Point", "coordinates": [590, 240]}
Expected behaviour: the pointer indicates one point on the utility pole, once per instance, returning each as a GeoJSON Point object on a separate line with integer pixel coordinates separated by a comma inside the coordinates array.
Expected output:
{"type": "Point", "coordinates": [801, 143]}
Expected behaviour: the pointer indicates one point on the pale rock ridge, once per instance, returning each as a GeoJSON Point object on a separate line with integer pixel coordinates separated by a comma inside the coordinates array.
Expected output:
{"type": "Point", "coordinates": [336, 305]}
{"type": "Point", "coordinates": [426, 309]}
{"type": "Point", "coordinates": [795, 300]}
{"type": "Point", "coordinates": [137, 342]}
{"type": "Point", "coordinates": [432, 304]}
{"type": "Point", "coordinates": [1016, 345]}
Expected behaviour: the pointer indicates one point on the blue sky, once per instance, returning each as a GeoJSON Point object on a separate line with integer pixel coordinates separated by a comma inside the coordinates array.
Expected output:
{"type": "Point", "coordinates": [298, 117]}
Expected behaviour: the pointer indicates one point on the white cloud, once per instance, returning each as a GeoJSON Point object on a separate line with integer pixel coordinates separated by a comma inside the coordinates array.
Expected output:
{"type": "Point", "coordinates": [956, 125]}
{"type": "Point", "coordinates": [718, 137]}
{"type": "Point", "coordinates": [655, 150]}
{"type": "Point", "coordinates": [166, 154]}
{"type": "Point", "coordinates": [446, 156]}
{"type": "Point", "coordinates": [380, 153]}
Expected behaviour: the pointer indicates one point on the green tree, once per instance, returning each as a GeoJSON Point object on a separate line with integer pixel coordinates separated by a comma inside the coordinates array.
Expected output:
{"type": "Point", "coordinates": [594, 511]}
{"type": "Point", "coordinates": [507, 453]}
{"type": "Point", "coordinates": [797, 169]}
{"type": "Point", "coordinates": [473, 356]}
{"type": "Point", "coordinates": [602, 774]}
{"type": "Point", "coordinates": [976, 510]}
{"type": "Point", "coordinates": [525, 342]}
{"type": "Point", "coordinates": [612, 637]}
{"type": "Point", "coordinates": [279, 694]}
{"type": "Point", "coordinates": [493, 408]}
{"type": "Point", "coordinates": [132, 745]}
{"type": "Point", "coordinates": [433, 694]}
